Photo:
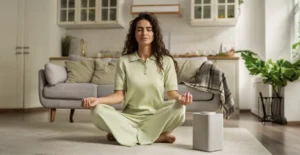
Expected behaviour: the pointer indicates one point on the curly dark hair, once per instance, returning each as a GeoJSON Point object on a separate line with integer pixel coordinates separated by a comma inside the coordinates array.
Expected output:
{"type": "Point", "coordinates": [158, 47]}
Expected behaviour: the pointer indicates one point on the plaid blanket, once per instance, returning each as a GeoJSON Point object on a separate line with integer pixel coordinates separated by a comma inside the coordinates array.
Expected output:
{"type": "Point", "coordinates": [210, 79]}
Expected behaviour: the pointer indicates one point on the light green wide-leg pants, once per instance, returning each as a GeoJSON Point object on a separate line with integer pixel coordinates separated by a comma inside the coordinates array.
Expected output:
{"type": "Point", "coordinates": [130, 130]}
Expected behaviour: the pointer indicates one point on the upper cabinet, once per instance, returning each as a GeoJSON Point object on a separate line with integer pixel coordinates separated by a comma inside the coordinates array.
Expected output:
{"type": "Point", "coordinates": [90, 13]}
{"type": "Point", "coordinates": [214, 12]}
{"type": "Point", "coordinates": [109, 10]}
{"type": "Point", "coordinates": [87, 11]}
{"type": "Point", "coordinates": [66, 11]}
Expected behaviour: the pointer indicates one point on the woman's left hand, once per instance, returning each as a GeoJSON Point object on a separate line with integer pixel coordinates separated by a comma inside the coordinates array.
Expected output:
{"type": "Point", "coordinates": [186, 99]}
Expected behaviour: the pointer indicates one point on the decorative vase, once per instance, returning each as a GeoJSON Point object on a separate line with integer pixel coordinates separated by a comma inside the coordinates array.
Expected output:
{"type": "Point", "coordinates": [65, 46]}
{"type": "Point", "coordinates": [65, 49]}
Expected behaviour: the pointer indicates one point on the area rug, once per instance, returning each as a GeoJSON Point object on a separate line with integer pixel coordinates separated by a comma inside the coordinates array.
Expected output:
{"type": "Point", "coordinates": [84, 138]}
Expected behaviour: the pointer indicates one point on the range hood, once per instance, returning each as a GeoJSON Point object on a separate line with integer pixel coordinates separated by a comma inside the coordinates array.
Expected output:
{"type": "Point", "coordinates": [156, 7]}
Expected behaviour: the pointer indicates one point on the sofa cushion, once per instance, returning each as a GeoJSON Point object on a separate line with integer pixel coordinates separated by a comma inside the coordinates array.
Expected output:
{"type": "Point", "coordinates": [71, 91]}
{"type": "Point", "coordinates": [55, 74]}
{"type": "Point", "coordinates": [104, 72]}
{"type": "Point", "coordinates": [80, 71]}
{"type": "Point", "coordinates": [197, 95]}
{"type": "Point", "coordinates": [188, 69]}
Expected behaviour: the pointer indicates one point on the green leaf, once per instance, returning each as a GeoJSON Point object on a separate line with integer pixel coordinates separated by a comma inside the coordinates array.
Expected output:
{"type": "Point", "coordinates": [288, 72]}
{"type": "Point", "coordinates": [295, 45]}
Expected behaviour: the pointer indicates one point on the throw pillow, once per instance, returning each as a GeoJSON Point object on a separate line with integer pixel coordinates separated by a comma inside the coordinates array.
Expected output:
{"type": "Point", "coordinates": [80, 71]}
{"type": "Point", "coordinates": [188, 69]}
{"type": "Point", "coordinates": [104, 72]}
{"type": "Point", "coordinates": [55, 74]}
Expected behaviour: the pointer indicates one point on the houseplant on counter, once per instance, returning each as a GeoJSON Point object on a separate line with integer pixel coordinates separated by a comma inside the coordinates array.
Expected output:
{"type": "Point", "coordinates": [277, 74]}
{"type": "Point", "coordinates": [65, 45]}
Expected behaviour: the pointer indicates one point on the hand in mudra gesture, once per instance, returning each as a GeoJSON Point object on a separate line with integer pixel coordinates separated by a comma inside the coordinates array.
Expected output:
{"type": "Point", "coordinates": [89, 102]}
{"type": "Point", "coordinates": [186, 98]}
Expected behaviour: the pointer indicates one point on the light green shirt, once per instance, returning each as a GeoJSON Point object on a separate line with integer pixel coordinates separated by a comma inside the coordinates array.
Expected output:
{"type": "Point", "coordinates": [143, 83]}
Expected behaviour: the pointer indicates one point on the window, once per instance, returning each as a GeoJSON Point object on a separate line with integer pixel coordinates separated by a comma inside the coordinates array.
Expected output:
{"type": "Point", "coordinates": [296, 32]}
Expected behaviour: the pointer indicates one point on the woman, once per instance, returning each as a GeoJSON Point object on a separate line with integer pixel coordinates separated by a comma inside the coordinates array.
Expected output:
{"type": "Point", "coordinates": [143, 73]}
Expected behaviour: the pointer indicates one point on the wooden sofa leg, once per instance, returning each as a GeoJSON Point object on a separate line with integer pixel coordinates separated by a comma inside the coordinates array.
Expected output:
{"type": "Point", "coordinates": [52, 114]}
{"type": "Point", "coordinates": [71, 115]}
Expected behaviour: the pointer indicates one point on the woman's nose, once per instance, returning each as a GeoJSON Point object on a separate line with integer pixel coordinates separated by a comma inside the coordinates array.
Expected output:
{"type": "Point", "coordinates": [145, 32]}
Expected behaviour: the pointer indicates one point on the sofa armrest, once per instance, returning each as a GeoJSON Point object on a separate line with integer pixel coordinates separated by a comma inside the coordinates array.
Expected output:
{"type": "Point", "coordinates": [42, 84]}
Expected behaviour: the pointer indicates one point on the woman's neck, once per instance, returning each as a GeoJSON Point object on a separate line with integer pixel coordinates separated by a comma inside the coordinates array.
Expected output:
{"type": "Point", "coordinates": [144, 52]}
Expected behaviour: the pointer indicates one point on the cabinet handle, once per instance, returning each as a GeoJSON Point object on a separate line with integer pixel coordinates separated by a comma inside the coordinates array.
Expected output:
{"type": "Point", "coordinates": [17, 53]}
{"type": "Point", "coordinates": [22, 47]}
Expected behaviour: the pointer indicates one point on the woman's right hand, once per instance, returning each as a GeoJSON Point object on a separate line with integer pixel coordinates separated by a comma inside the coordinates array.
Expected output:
{"type": "Point", "coordinates": [89, 102]}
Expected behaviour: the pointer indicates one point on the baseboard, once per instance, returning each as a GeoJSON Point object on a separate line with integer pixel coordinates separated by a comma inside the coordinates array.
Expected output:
{"type": "Point", "coordinates": [245, 110]}
{"type": "Point", "coordinates": [38, 109]}
{"type": "Point", "coordinates": [293, 123]}
{"type": "Point", "coordinates": [254, 112]}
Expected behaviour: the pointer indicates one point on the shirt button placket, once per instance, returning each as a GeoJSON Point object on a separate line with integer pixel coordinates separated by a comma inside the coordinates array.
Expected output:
{"type": "Point", "coordinates": [145, 68]}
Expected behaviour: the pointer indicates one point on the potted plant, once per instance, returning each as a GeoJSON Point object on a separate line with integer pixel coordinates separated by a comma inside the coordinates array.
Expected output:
{"type": "Point", "coordinates": [277, 74]}
{"type": "Point", "coordinates": [65, 45]}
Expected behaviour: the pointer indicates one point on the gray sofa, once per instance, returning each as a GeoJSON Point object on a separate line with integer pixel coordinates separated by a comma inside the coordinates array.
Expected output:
{"type": "Point", "coordinates": [69, 95]}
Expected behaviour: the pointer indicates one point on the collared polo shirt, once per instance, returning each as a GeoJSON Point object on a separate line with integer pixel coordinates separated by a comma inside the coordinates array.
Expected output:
{"type": "Point", "coordinates": [144, 83]}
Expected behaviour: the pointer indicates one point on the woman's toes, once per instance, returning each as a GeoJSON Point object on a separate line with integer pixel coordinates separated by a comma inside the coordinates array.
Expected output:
{"type": "Point", "coordinates": [170, 138]}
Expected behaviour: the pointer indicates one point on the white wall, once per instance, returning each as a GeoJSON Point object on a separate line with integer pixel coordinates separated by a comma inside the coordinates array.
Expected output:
{"type": "Point", "coordinates": [184, 38]}
{"type": "Point", "coordinates": [278, 27]}
{"type": "Point", "coordinates": [292, 101]}
{"type": "Point", "coordinates": [250, 34]}
{"type": "Point", "coordinates": [56, 32]}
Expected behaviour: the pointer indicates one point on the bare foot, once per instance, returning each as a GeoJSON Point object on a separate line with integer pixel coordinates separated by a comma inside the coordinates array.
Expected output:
{"type": "Point", "coordinates": [170, 138]}
{"type": "Point", "coordinates": [166, 138]}
{"type": "Point", "coordinates": [110, 137]}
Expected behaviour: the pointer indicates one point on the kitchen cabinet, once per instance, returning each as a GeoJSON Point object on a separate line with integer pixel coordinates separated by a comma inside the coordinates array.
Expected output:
{"type": "Point", "coordinates": [90, 13]}
{"type": "Point", "coordinates": [28, 37]}
{"type": "Point", "coordinates": [214, 12]}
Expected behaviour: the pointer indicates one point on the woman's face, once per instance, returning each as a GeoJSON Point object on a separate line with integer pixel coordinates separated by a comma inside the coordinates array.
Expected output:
{"type": "Point", "coordinates": [144, 33]}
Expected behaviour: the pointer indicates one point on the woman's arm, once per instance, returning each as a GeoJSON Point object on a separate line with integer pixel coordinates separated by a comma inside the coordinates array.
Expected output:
{"type": "Point", "coordinates": [115, 98]}
{"type": "Point", "coordinates": [185, 99]}
{"type": "Point", "coordinates": [173, 94]}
